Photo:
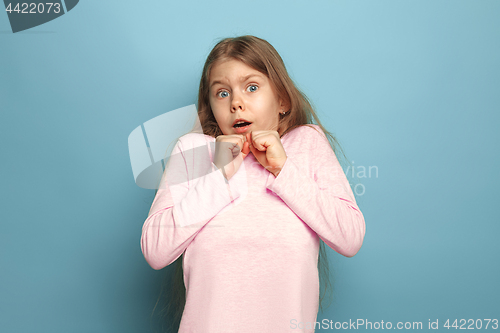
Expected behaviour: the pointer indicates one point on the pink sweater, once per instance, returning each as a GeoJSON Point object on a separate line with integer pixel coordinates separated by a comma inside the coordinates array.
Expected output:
{"type": "Point", "coordinates": [251, 245]}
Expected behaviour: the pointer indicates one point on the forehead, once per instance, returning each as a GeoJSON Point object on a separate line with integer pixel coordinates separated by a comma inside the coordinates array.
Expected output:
{"type": "Point", "coordinates": [231, 70]}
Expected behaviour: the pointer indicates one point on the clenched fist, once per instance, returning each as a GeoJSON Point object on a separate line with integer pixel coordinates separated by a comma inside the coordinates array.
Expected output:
{"type": "Point", "coordinates": [230, 151]}
{"type": "Point", "coordinates": [267, 148]}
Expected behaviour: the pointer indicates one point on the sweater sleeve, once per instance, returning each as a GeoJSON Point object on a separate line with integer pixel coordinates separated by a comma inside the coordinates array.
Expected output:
{"type": "Point", "coordinates": [181, 210]}
{"type": "Point", "coordinates": [325, 202]}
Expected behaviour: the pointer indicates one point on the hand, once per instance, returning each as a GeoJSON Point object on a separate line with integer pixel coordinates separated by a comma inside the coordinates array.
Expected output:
{"type": "Point", "coordinates": [267, 148]}
{"type": "Point", "coordinates": [230, 151]}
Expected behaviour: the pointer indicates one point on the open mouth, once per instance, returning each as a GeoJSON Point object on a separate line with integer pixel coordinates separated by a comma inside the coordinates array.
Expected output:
{"type": "Point", "coordinates": [242, 128]}
{"type": "Point", "coordinates": [242, 124]}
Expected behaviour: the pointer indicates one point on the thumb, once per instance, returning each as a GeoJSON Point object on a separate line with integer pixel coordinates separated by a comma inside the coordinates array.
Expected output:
{"type": "Point", "coordinates": [252, 148]}
{"type": "Point", "coordinates": [246, 149]}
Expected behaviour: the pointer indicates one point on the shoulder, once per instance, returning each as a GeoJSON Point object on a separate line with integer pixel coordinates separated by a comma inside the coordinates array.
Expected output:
{"type": "Point", "coordinates": [306, 133]}
{"type": "Point", "coordinates": [305, 139]}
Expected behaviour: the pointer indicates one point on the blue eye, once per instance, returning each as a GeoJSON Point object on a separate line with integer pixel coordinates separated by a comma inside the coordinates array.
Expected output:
{"type": "Point", "coordinates": [224, 91]}
{"type": "Point", "coordinates": [253, 85]}
{"type": "Point", "coordinates": [220, 92]}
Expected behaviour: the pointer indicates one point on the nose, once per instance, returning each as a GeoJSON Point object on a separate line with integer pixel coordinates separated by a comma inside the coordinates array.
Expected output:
{"type": "Point", "coordinates": [237, 103]}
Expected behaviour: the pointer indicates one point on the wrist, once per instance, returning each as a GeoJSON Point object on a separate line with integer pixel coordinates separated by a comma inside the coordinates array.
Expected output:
{"type": "Point", "coordinates": [275, 171]}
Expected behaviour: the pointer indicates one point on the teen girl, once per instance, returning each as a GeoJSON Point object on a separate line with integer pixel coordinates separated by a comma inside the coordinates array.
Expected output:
{"type": "Point", "coordinates": [247, 218]}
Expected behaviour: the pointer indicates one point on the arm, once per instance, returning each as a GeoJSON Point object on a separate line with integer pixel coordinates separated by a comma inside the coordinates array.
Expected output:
{"type": "Point", "coordinates": [326, 203]}
{"type": "Point", "coordinates": [181, 210]}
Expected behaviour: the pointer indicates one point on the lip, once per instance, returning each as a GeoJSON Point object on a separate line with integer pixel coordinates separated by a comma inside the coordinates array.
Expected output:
{"type": "Point", "coordinates": [240, 119]}
{"type": "Point", "coordinates": [240, 130]}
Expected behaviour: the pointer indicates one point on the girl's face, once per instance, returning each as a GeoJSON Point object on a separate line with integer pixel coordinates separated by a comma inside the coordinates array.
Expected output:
{"type": "Point", "coordinates": [239, 91]}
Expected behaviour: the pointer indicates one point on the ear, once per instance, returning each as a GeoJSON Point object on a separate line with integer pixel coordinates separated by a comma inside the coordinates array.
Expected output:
{"type": "Point", "coordinates": [283, 105]}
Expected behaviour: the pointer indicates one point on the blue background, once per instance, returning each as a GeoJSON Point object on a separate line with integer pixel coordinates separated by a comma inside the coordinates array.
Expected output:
{"type": "Point", "coordinates": [411, 87]}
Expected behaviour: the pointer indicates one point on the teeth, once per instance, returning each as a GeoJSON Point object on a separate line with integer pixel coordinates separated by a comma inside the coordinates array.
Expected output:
{"type": "Point", "coordinates": [240, 123]}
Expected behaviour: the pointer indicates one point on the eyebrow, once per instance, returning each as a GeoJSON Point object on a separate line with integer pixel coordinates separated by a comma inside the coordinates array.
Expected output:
{"type": "Point", "coordinates": [244, 78]}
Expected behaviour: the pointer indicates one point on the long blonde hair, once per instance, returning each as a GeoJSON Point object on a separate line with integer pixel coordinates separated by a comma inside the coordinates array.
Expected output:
{"type": "Point", "coordinates": [260, 55]}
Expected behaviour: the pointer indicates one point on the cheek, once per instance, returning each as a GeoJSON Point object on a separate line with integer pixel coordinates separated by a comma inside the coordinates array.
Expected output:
{"type": "Point", "coordinates": [258, 105]}
{"type": "Point", "coordinates": [213, 106]}
{"type": "Point", "coordinates": [217, 108]}
{"type": "Point", "coordinates": [222, 120]}
{"type": "Point", "coordinates": [269, 101]}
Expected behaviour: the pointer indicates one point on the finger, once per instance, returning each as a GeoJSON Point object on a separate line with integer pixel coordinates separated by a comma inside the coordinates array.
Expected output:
{"type": "Point", "coordinates": [253, 149]}
{"type": "Point", "coordinates": [236, 150]}
{"type": "Point", "coordinates": [259, 144]}
{"type": "Point", "coordinates": [246, 149]}
{"type": "Point", "coordinates": [223, 145]}
{"type": "Point", "coordinates": [242, 140]}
